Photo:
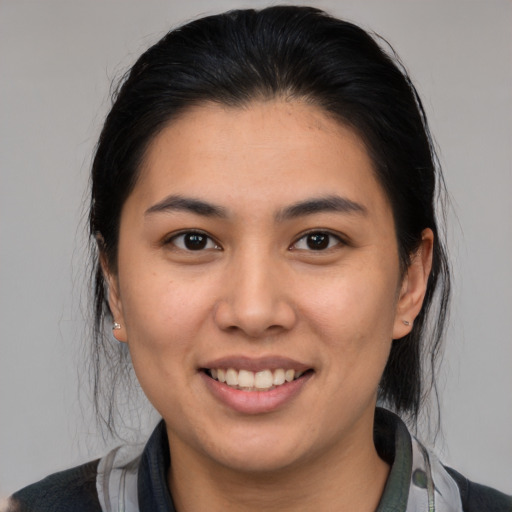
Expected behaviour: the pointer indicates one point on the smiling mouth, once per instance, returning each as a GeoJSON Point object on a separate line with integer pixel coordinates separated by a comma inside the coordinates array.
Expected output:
{"type": "Point", "coordinates": [246, 380]}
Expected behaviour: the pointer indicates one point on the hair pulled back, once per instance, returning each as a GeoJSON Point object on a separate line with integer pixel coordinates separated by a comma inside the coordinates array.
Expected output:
{"type": "Point", "coordinates": [292, 53]}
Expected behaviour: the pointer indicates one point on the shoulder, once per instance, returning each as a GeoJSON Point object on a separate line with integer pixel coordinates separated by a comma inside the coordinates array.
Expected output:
{"type": "Point", "coordinates": [73, 489]}
{"type": "Point", "coordinates": [477, 497]}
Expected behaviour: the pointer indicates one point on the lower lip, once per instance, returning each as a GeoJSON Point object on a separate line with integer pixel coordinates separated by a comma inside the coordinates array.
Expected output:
{"type": "Point", "coordinates": [256, 402]}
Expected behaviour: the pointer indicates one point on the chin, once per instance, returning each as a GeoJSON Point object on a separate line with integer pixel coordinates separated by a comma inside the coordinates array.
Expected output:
{"type": "Point", "coordinates": [258, 463]}
{"type": "Point", "coordinates": [259, 452]}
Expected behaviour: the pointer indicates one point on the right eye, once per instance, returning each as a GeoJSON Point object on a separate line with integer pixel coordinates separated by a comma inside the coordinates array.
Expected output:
{"type": "Point", "coordinates": [193, 241]}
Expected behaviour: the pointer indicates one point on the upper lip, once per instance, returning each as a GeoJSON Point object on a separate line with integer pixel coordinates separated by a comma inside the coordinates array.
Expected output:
{"type": "Point", "coordinates": [256, 364]}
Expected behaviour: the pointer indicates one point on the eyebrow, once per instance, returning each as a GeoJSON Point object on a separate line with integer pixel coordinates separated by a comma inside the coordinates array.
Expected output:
{"type": "Point", "coordinates": [187, 204]}
{"type": "Point", "coordinates": [331, 203]}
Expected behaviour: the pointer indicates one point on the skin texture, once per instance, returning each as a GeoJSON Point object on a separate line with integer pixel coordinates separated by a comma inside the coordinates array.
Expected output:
{"type": "Point", "coordinates": [257, 290]}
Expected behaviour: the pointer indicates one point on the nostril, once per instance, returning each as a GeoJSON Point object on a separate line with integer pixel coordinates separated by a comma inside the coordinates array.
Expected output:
{"type": "Point", "coordinates": [255, 314]}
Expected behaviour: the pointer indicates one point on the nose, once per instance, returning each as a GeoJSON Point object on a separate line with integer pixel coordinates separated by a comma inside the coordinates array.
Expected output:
{"type": "Point", "coordinates": [256, 300]}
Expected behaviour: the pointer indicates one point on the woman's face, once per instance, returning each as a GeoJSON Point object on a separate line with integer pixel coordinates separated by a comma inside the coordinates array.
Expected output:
{"type": "Point", "coordinates": [257, 246]}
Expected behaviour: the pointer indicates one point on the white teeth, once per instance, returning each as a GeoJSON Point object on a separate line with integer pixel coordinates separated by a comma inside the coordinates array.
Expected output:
{"type": "Point", "coordinates": [263, 380]}
{"type": "Point", "coordinates": [279, 377]}
{"type": "Point", "coordinates": [232, 377]}
{"type": "Point", "coordinates": [254, 381]}
{"type": "Point", "coordinates": [245, 379]}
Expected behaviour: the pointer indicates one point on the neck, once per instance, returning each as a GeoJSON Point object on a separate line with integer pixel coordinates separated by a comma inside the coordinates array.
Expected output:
{"type": "Point", "coordinates": [350, 479]}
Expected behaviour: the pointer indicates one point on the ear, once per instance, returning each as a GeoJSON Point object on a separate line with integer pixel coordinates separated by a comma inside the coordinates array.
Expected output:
{"type": "Point", "coordinates": [414, 286]}
{"type": "Point", "coordinates": [114, 299]}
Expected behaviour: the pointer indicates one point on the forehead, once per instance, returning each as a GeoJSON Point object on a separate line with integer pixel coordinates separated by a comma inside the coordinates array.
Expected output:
{"type": "Point", "coordinates": [284, 150]}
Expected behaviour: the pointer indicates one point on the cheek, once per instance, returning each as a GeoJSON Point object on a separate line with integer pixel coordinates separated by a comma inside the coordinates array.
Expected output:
{"type": "Point", "coordinates": [353, 317]}
{"type": "Point", "coordinates": [353, 303]}
{"type": "Point", "coordinates": [163, 316]}
{"type": "Point", "coordinates": [163, 319]}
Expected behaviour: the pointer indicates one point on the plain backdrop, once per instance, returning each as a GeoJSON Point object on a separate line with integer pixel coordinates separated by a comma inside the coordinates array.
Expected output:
{"type": "Point", "coordinates": [57, 61]}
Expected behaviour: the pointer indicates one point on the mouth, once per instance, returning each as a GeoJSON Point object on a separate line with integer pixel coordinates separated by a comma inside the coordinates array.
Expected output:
{"type": "Point", "coordinates": [258, 385]}
{"type": "Point", "coordinates": [247, 380]}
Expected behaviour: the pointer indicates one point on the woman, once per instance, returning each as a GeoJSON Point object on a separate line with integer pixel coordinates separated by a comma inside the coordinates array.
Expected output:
{"type": "Point", "coordinates": [268, 252]}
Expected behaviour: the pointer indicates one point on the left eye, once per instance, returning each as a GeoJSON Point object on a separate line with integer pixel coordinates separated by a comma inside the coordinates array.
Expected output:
{"type": "Point", "coordinates": [193, 241]}
{"type": "Point", "coordinates": [317, 241]}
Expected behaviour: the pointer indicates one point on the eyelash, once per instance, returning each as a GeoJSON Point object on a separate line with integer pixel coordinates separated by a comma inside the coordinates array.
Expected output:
{"type": "Point", "coordinates": [172, 240]}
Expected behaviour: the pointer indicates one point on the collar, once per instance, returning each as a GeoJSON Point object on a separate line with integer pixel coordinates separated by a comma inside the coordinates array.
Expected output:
{"type": "Point", "coordinates": [393, 443]}
{"type": "Point", "coordinates": [153, 489]}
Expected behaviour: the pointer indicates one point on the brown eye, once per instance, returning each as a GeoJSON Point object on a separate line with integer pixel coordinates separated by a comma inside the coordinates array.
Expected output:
{"type": "Point", "coordinates": [317, 241]}
{"type": "Point", "coordinates": [193, 241]}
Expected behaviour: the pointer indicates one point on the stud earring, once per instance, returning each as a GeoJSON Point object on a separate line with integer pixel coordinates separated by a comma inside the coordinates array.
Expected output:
{"type": "Point", "coordinates": [405, 322]}
{"type": "Point", "coordinates": [116, 326]}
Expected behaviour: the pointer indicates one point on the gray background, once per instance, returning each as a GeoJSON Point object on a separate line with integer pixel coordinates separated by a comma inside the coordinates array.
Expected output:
{"type": "Point", "coordinates": [57, 59]}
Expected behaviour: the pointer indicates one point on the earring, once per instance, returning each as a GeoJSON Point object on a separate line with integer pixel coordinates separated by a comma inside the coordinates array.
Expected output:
{"type": "Point", "coordinates": [116, 326]}
{"type": "Point", "coordinates": [405, 322]}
